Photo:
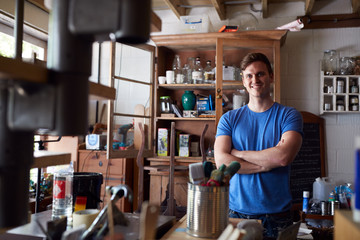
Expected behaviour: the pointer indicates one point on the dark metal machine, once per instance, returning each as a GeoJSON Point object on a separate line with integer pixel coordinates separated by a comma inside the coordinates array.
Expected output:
{"type": "Point", "coordinates": [61, 104]}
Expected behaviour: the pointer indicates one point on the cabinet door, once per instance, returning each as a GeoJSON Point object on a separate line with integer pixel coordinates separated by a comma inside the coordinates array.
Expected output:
{"type": "Point", "coordinates": [230, 52]}
{"type": "Point", "coordinates": [131, 74]}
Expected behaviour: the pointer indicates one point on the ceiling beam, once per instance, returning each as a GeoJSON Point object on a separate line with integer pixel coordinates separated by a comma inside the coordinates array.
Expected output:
{"type": "Point", "coordinates": [331, 21]}
{"type": "Point", "coordinates": [155, 24]}
{"type": "Point", "coordinates": [309, 4]}
{"type": "Point", "coordinates": [174, 6]}
{"type": "Point", "coordinates": [220, 8]}
{"type": "Point", "coordinates": [355, 6]}
{"type": "Point", "coordinates": [264, 8]}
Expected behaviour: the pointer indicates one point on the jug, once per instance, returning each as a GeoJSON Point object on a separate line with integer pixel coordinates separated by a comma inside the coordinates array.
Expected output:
{"type": "Point", "coordinates": [322, 187]}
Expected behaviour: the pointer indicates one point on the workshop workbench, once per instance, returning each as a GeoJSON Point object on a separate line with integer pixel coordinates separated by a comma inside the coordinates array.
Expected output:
{"type": "Point", "coordinates": [178, 231]}
{"type": "Point", "coordinates": [32, 231]}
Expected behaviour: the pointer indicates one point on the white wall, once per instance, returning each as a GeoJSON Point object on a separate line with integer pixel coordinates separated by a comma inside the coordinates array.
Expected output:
{"type": "Point", "coordinates": [300, 76]}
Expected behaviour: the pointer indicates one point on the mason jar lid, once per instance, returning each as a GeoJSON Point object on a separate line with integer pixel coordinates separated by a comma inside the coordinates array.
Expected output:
{"type": "Point", "coordinates": [165, 97]}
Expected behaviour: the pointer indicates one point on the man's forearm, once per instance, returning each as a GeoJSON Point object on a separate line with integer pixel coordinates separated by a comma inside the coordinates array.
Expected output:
{"type": "Point", "coordinates": [246, 167]}
{"type": "Point", "coordinates": [280, 155]}
{"type": "Point", "coordinates": [264, 158]}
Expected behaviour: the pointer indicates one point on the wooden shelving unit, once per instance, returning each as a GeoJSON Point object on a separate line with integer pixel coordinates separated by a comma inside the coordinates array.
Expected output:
{"type": "Point", "coordinates": [329, 95]}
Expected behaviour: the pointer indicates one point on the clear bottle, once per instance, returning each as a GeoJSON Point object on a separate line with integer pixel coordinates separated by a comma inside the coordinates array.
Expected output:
{"type": "Point", "coordinates": [179, 77]}
{"type": "Point", "coordinates": [190, 69]}
{"type": "Point", "coordinates": [209, 75]}
{"type": "Point", "coordinates": [197, 74]}
{"type": "Point", "coordinates": [62, 205]}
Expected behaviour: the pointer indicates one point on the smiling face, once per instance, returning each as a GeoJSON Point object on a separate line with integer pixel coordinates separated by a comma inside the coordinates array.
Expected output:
{"type": "Point", "coordinates": [257, 80]}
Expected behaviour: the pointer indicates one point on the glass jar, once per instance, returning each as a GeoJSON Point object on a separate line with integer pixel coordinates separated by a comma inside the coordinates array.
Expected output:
{"type": "Point", "coordinates": [340, 105]}
{"type": "Point", "coordinates": [347, 65]}
{"type": "Point", "coordinates": [330, 62]}
{"type": "Point", "coordinates": [165, 104]}
{"type": "Point", "coordinates": [340, 86]}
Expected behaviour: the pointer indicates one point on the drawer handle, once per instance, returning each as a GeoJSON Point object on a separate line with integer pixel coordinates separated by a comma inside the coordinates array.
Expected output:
{"type": "Point", "coordinates": [100, 163]}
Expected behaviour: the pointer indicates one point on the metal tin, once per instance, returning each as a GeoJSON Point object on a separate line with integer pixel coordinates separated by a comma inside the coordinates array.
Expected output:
{"type": "Point", "coordinates": [334, 205]}
{"type": "Point", "coordinates": [207, 210]}
{"type": "Point", "coordinates": [324, 208]}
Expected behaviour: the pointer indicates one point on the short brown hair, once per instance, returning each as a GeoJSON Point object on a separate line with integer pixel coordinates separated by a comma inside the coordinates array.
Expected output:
{"type": "Point", "coordinates": [255, 57]}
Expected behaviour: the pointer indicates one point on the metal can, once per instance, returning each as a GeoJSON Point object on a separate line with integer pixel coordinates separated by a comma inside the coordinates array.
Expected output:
{"type": "Point", "coordinates": [324, 208]}
{"type": "Point", "coordinates": [334, 205]}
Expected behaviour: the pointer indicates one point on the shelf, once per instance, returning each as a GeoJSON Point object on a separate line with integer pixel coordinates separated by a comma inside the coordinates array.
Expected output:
{"type": "Point", "coordinates": [208, 40]}
{"type": "Point", "coordinates": [9, 69]}
{"type": "Point", "coordinates": [179, 159]}
{"type": "Point", "coordinates": [335, 98]}
{"type": "Point", "coordinates": [20, 70]}
{"type": "Point", "coordinates": [185, 119]}
{"type": "Point", "coordinates": [129, 153]}
{"type": "Point", "coordinates": [227, 84]}
{"type": "Point", "coordinates": [44, 159]}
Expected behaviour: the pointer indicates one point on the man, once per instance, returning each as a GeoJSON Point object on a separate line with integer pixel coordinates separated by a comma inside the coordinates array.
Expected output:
{"type": "Point", "coordinates": [264, 137]}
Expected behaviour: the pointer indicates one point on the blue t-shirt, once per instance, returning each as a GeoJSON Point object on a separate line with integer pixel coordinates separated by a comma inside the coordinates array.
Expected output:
{"type": "Point", "coordinates": [267, 192]}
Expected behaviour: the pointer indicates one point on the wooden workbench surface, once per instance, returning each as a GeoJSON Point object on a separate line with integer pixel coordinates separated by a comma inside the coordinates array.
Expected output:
{"type": "Point", "coordinates": [178, 231]}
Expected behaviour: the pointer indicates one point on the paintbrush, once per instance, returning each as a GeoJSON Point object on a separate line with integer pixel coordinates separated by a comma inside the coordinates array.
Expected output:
{"type": "Point", "coordinates": [196, 173]}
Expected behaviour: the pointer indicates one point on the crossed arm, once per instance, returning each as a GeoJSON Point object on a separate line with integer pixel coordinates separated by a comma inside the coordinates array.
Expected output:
{"type": "Point", "coordinates": [258, 161]}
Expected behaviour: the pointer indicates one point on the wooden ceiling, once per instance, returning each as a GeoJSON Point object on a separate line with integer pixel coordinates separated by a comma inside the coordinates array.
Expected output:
{"type": "Point", "coordinates": [179, 7]}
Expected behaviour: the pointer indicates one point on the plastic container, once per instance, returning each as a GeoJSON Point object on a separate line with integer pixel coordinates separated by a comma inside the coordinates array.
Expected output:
{"type": "Point", "coordinates": [88, 186]}
{"type": "Point", "coordinates": [207, 210]}
{"type": "Point", "coordinates": [322, 188]}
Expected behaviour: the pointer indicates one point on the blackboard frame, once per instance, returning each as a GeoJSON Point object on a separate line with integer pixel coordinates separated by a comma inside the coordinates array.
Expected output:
{"type": "Point", "coordinates": [313, 121]}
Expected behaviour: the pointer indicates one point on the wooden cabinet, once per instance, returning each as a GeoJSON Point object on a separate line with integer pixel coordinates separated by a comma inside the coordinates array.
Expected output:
{"type": "Point", "coordinates": [115, 171]}
{"type": "Point", "coordinates": [227, 48]}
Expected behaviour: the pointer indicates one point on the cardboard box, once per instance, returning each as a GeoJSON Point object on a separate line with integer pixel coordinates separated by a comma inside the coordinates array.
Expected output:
{"type": "Point", "coordinates": [190, 113]}
{"type": "Point", "coordinates": [184, 145]}
{"type": "Point", "coordinates": [163, 142]}
{"type": "Point", "coordinates": [95, 141]}
{"type": "Point", "coordinates": [202, 104]}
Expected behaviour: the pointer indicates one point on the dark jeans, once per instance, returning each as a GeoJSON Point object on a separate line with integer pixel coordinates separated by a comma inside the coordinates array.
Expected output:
{"type": "Point", "coordinates": [272, 223]}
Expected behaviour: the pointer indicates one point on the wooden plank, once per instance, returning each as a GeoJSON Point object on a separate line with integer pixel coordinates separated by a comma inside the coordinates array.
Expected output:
{"type": "Point", "coordinates": [185, 119]}
{"type": "Point", "coordinates": [345, 226]}
{"type": "Point", "coordinates": [220, 8]}
{"type": "Point", "coordinates": [19, 70]}
{"type": "Point", "coordinates": [355, 6]}
{"type": "Point", "coordinates": [155, 25]}
{"type": "Point", "coordinates": [309, 4]}
{"type": "Point", "coordinates": [209, 39]}
{"type": "Point", "coordinates": [264, 4]}
{"type": "Point", "coordinates": [331, 21]}
{"type": "Point", "coordinates": [44, 159]}
{"type": "Point", "coordinates": [101, 92]}
{"type": "Point", "coordinates": [174, 6]}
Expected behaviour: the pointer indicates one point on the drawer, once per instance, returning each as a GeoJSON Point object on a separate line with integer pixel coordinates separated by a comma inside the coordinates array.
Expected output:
{"type": "Point", "coordinates": [93, 162]}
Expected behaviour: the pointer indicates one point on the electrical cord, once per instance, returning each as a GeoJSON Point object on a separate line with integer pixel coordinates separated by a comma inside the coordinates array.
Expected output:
{"type": "Point", "coordinates": [85, 159]}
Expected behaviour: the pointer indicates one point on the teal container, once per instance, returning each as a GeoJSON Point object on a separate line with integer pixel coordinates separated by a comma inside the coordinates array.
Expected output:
{"type": "Point", "coordinates": [188, 100]}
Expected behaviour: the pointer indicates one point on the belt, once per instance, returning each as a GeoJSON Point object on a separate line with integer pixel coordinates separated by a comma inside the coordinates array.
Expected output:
{"type": "Point", "coordinates": [281, 214]}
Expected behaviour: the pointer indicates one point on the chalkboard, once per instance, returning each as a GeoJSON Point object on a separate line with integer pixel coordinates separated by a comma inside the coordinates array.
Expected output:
{"type": "Point", "coordinates": [309, 162]}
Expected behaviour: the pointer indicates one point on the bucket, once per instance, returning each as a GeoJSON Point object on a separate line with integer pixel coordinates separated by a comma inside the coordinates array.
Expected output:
{"type": "Point", "coordinates": [322, 187]}
{"type": "Point", "coordinates": [88, 185]}
{"type": "Point", "coordinates": [207, 210]}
